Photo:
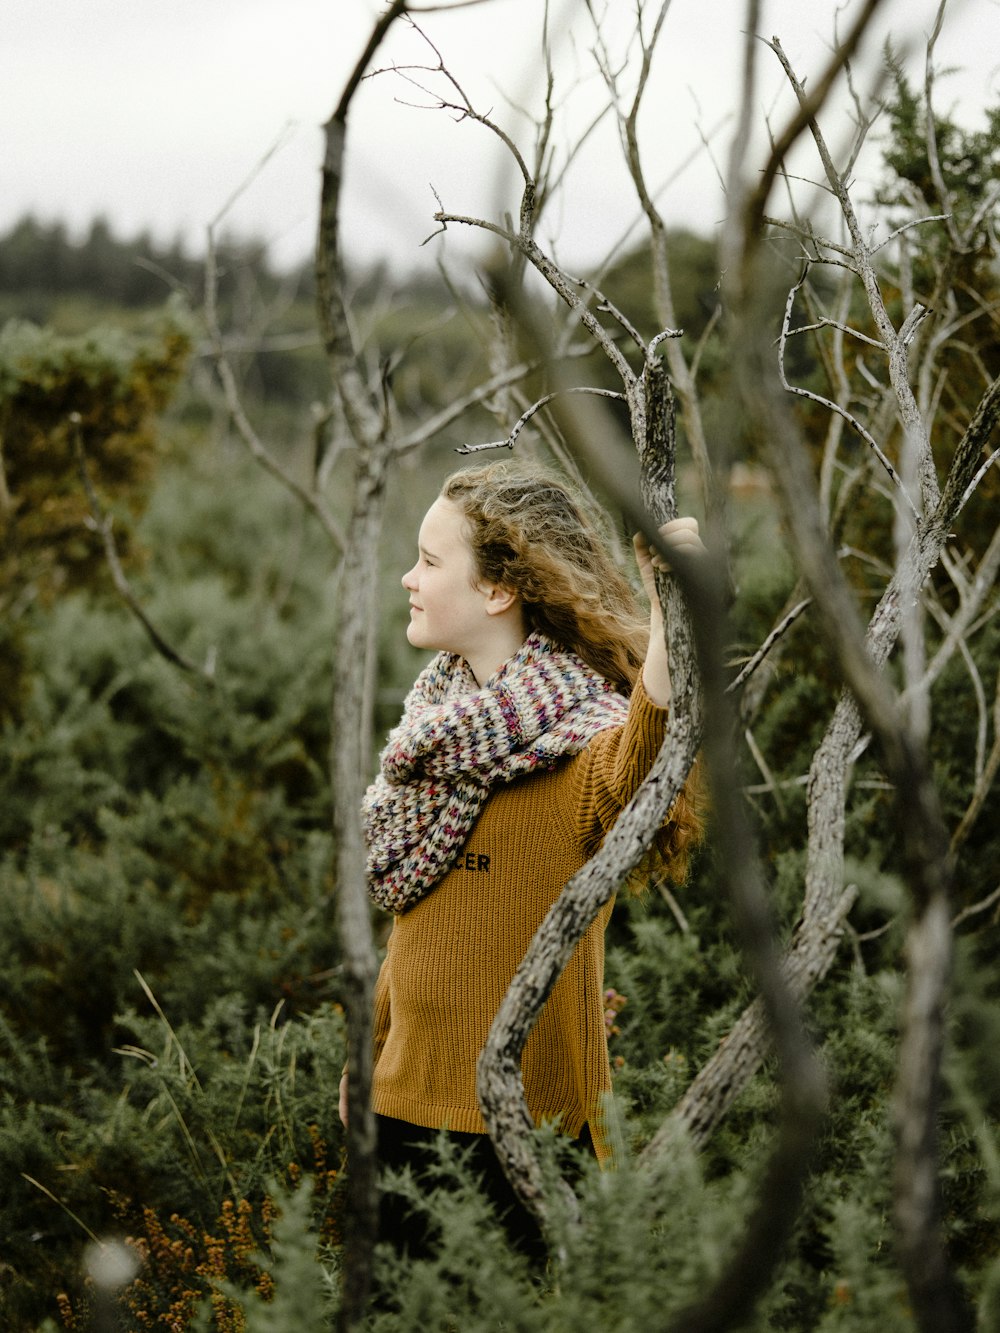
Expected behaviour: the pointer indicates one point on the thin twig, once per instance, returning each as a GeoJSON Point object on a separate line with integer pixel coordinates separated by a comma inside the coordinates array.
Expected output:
{"type": "Point", "coordinates": [836, 324]}
{"type": "Point", "coordinates": [895, 342]}
{"type": "Point", "coordinates": [607, 307]}
{"type": "Point", "coordinates": [807, 234]}
{"type": "Point", "coordinates": [771, 786]}
{"type": "Point", "coordinates": [829, 403]}
{"type": "Point", "coordinates": [907, 226]}
{"type": "Point", "coordinates": [984, 783]}
{"type": "Point", "coordinates": [663, 889]}
{"type": "Point", "coordinates": [959, 243]}
{"type": "Point", "coordinates": [967, 494]}
{"type": "Point", "coordinates": [101, 523]}
{"type": "Point", "coordinates": [474, 398]}
{"type": "Point", "coordinates": [976, 908]}
{"type": "Point", "coordinates": [525, 417]}
{"type": "Point", "coordinates": [778, 632]}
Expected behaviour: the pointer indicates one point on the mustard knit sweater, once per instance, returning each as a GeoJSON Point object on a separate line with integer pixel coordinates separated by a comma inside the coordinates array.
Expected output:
{"type": "Point", "coordinates": [451, 957]}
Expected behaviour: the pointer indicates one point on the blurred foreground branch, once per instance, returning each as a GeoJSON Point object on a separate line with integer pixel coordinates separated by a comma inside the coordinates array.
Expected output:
{"type": "Point", "coordinates": [938, 1301]}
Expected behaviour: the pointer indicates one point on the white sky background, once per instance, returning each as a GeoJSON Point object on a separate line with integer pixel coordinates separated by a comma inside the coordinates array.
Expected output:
{"type": "Point", "coordinates": [153, 112]}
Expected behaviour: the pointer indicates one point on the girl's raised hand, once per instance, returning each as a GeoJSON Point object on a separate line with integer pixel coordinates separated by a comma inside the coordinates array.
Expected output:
{"type": "Point", "coordinates": [680, 535]}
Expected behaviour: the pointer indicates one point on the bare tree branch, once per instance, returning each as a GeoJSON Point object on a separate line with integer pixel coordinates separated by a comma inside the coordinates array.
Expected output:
{"type": "Point", "coordinates": [895, 343]}
{"type": "Point", "coordinates": [681, 373]}
{"type": "Point", "coordinates": [808, 107]}
{"type": "Point", "coordinates": [829, 403]}
{"type": "Point", "coordinates": [803, 1098]}
{"type": "Point", "coordinates": [861, 652]}
{"type": "Point", "coordinates": [976, 909]}
{"type": "Point", "coordinates": [102, 525]}
{"type": "Point", "coordinates": [465, 110]}
{"type": "Point", "coordinates": [972, 598]}
{"type": "Point", "coordinates": [984, 782]}
{"type": "Point", "coordinates": [526, 416]}
{"type": "Point", "coordinates": [959, 243]}
{"type": "Point", "coordinates": [964, 475]}
{"type": "Point", "coordinates": [908, 226]}
{"type": "Point", "coordinates": [974, 482]}
{"type": "Point", "coordinates": [782, 628]}
{"type": "Point", "coordinates": [426, 430]}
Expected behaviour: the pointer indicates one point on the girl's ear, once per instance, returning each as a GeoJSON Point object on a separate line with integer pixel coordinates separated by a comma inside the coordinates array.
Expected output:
{"type": "Point", "coordinates": [500, 599]}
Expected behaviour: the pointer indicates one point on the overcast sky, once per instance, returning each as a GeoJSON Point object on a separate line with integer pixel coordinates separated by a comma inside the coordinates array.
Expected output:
{"type": "Point", "coordinates": [154, 112]}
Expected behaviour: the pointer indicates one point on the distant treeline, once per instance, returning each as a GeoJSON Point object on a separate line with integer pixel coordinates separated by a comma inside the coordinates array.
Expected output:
{"type": "Point", "coordinates": [43, 257]}
{"type": "Point", "coordinates": [138, 272]}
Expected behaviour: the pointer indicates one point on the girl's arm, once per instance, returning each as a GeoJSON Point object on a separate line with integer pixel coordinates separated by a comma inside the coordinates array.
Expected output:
{"type": "Point", "coordinates": [680, 534]}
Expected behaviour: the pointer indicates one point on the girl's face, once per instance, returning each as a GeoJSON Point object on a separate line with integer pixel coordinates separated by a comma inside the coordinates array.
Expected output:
{"type": "Point", "coordinates": [448, 608]}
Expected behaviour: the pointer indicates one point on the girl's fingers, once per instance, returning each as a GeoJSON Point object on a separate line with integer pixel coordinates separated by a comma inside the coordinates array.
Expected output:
{"type": "Point", "coordinates": [680, 534]}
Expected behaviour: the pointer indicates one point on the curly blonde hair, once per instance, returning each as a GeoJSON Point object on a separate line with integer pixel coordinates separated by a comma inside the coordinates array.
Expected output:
{"type": "Point", "coordinates": [531, 533]}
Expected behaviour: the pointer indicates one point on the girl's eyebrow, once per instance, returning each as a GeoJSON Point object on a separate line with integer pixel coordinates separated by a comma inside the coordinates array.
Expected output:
{"type": "Point", "coordinates": [428, 555]}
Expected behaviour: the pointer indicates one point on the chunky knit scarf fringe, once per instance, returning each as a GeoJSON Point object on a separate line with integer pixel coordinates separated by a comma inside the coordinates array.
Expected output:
{"type": "Point", "coordinates": [456, 742]}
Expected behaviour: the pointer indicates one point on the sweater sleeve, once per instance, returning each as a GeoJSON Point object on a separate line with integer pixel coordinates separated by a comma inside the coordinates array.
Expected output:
{"type": "Point", "coordinates": [613, 767]}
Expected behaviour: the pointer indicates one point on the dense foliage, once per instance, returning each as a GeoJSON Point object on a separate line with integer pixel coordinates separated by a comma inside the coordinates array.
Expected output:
{"type": "Point", "coordinates": [170, 1028]}
{"type": "Point", "coordinates": [172, 1035]}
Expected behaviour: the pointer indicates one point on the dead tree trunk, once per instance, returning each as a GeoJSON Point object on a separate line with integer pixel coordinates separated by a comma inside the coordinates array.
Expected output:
{"type": "Point", "coordinates": [350, 725]}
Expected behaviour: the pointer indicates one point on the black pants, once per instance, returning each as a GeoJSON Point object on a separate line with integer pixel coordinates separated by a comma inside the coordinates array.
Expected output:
{"type": "Point", "coordinates": [402, 1144]}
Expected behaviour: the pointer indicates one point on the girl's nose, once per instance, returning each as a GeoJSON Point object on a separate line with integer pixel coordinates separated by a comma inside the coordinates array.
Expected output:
{"type": "Point", "coordinates": [407, 579]}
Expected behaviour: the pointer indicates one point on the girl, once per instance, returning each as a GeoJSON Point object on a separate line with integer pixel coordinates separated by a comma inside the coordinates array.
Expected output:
{"type": "Point", "coordinates": [520, 744]}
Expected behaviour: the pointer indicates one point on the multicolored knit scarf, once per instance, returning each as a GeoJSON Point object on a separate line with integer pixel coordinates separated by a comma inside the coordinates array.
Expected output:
{"type": "Point", "coordinates": [456, 741]}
